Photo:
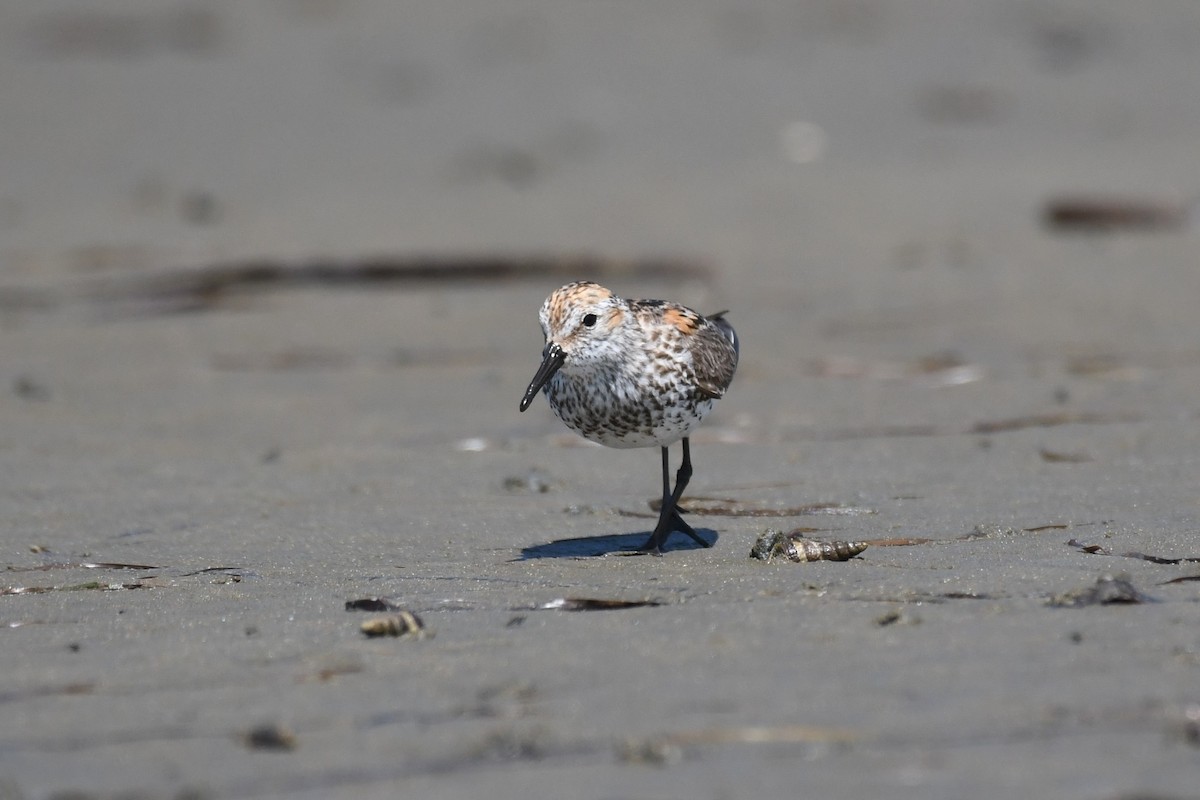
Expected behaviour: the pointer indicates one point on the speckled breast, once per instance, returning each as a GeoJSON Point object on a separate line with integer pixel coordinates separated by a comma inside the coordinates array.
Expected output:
{"type": "Point", "coordinates": [623, 414]}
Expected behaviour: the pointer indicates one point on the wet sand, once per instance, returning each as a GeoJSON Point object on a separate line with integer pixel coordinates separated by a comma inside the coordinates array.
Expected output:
{"type": "Point", "coordinates": [269, 276]}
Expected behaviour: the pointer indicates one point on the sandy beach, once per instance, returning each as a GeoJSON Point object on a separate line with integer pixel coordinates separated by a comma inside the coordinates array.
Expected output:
{"type": "Point", "coordinates": [269, 281]}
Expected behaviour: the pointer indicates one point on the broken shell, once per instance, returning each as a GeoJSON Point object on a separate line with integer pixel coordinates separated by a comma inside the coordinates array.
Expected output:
{"type": "Point", "coordinates": [812, 550]}
{"type": "Point", "coordinates": [773, 544]}
{"type": "Point", "coordinates": [768, 545]}
{"type": "Point", "coordinates": [402, 623]}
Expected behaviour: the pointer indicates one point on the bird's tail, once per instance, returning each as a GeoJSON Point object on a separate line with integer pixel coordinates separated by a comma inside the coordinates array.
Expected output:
{"type": "Point", "coordinates": [723, 325]}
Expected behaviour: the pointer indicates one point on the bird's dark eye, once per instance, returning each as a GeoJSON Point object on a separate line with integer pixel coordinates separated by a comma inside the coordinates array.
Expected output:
{"type": "Point", "coordinates": [589, 320]}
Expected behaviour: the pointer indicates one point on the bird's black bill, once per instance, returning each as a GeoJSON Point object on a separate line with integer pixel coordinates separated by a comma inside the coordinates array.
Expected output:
{"type": "Point", "coordinates": [552, 358]}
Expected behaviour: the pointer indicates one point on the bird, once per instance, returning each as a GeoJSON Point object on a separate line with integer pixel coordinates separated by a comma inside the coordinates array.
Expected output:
{"type": "Point", "coordinates": [634, 373]}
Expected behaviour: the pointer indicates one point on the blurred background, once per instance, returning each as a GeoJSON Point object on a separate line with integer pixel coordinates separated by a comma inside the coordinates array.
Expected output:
{"type": "Point", "coordinates": [878, 190]}
{"type": "Point", "coordinates": [869, 153]}
{"type": "Point", "coordinates": [977, 188]}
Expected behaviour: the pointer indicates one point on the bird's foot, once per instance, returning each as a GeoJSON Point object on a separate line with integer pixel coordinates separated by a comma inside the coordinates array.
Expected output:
{"type": "Point", "coordinates": [654, 544]}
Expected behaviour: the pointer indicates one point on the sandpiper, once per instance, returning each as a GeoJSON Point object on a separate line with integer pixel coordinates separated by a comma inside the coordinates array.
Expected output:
{"type": "Point", "coordinates": [634, 373]}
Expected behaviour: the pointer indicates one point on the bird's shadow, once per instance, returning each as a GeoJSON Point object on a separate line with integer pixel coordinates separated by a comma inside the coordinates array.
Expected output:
{"type": "Point", "coordinates": [625, 544]}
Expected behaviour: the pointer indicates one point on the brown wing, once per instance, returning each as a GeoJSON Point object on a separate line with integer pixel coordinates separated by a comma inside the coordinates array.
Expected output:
{"type": "Point", "coordinates": [715, 356]}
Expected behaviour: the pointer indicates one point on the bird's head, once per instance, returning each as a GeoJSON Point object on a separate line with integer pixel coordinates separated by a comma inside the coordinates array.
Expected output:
{"type": "Point", "coordinates": [577, 321]}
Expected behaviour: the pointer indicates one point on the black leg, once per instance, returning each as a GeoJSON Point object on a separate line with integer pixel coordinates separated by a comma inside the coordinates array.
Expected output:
{"type": "Point", "coordinates": [682, 478]}
{"type": "Point", "coordinates": [685, 472]}
{"type": "Point", "coordinates": [668, 515]}
{"type": "Point", "coordinates": [655, 542]}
